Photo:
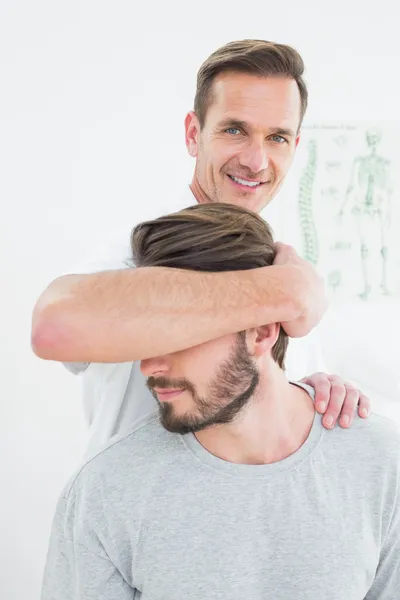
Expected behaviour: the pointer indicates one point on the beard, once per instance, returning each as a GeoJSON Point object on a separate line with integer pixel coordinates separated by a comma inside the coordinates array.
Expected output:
{"type": "Point", "coordinates": [230, 390]}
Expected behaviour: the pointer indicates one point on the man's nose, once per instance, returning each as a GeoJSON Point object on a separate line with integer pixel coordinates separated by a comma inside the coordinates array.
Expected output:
{"type": "Point", "coordinates": [152, 367]}
{"type": "Point", "coordinates": [255, 156]}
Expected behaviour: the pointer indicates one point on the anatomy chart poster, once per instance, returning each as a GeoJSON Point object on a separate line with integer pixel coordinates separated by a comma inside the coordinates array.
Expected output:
{"type": "Point", "coordinates": [344, 199]}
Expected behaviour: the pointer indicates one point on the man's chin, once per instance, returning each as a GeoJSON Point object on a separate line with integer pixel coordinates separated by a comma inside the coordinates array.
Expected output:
{"type": "Point", "coordinates": [175, 426]}
{"type": "Point", "coordinates": [255, 204]}
{"type": "Point", "coordinates": [180, 425]}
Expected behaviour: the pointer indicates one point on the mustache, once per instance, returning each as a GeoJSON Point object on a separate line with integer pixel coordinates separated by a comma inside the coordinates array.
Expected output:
{"type": "Point", "coordinates": [165, 383]}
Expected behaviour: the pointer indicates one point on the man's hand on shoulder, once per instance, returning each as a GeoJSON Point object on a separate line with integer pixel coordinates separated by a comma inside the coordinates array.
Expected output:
{"type": "Point", "coordinates": [337, 400]}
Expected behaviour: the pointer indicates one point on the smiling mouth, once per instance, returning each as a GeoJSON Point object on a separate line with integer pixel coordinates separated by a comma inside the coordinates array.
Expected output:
{"type": "Point", "coordinates": [245, 182]}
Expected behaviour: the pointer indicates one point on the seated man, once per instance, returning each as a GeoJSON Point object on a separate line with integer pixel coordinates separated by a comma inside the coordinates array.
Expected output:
{"type": "Point", "coordinates": [233, 488]}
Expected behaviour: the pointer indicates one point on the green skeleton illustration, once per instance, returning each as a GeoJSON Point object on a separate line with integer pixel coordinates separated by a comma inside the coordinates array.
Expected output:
{"type": "Point", "coordinates": [369, 194]}
{"type": "Point", "coordinates": [308, 229]}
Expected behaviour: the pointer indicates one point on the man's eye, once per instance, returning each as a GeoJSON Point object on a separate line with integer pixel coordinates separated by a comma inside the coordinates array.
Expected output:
{"type": "Point", "coordinates": [279, 139]}
{"type": "Point", "coordinates": [232, 130]}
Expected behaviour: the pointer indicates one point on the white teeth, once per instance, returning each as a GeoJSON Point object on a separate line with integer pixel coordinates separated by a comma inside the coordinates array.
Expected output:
{"type": "Point", "coordinates": [244, 182]}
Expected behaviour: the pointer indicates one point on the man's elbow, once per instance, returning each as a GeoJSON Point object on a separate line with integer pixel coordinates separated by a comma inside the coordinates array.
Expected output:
{"type": "Point", "coordinates": [53, 335]}
{"type": "Point", "coordinates": [47, 338]}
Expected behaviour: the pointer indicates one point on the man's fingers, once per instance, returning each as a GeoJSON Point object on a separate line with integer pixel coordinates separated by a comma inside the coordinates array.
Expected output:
{"type": "Point", "coordinates": [284, 254]}
{"type": "Point", "coordinates": [364, 406]}
{"type": "Point", "coordinates": [337, 397]}
{"type": "Point", "coordinates": [350, 404]}
{"type": "Point", "coordinates": [322, 389]}
{"type": "Point", "coordinates": [337, 400]}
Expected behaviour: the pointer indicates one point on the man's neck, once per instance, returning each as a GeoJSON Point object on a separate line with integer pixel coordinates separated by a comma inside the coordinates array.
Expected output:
{"type": "Point", "coordinates": [275, 423]}
{"type": "Point", "coordinates": [198, 191]}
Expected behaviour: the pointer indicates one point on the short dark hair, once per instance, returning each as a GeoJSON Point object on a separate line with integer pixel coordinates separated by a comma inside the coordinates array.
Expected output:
{"type": "Point", "coordinates": [255, 57]}
{"type": "Point", "coordinates": [208, 237]}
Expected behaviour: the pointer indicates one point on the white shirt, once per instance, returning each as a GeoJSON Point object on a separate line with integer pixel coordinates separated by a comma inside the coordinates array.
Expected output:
{"type": "Point", "coordinates": [115, 395]}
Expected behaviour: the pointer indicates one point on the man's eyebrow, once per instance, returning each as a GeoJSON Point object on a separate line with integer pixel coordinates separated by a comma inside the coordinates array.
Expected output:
{"type": "Point", "coordinates": [231, 122]}
{"type": "Point", "coordinates": [283, 131]}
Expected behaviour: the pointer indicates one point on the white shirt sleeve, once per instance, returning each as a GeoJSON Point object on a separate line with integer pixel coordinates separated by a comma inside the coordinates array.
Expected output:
{"type": "Point", "coordinates": [112, 255]}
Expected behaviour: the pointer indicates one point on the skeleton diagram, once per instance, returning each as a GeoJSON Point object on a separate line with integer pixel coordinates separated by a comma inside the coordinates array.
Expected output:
{"type": "Point", "coordinates": [369, 195]}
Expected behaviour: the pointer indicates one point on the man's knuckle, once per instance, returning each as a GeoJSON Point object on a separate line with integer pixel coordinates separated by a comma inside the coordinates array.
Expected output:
{"type": "Point", "coordinates": [336, 386]}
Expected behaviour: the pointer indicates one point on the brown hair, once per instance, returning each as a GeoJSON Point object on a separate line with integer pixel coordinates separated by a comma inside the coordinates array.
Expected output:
{"type": "Point", "coordinates": [255, 57]}
{"type": "Point", "coordinates": [208, 237]}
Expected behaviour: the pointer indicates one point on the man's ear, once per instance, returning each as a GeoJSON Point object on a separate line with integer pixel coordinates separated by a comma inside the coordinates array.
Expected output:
{"type": "Point", "coordinates": [298, 139]}
{"type": "Point", "coordinates": [192, 132]}
{"type": "Point", "coordinates": [262, 339]}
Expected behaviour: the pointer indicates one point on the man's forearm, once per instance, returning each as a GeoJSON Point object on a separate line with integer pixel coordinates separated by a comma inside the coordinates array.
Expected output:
{"type": "Point", "coordinates": [132, 314]}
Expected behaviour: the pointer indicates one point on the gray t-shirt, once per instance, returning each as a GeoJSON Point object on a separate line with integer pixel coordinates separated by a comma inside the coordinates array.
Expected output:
{"type": "Point", "coordinates": [155, 516]}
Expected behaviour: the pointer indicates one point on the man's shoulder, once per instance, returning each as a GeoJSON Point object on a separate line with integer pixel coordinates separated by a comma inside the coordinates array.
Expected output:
{"type": "Point", "coordinates": [378, 427]}
{"type": "Point", "coordinates": [137, 453]}
{"type": "Point", "coordinates": [384, 432]}
{"type": "Point", "coordinates": [117, 478]}
{"type": "Point", "coordinates": [375, 440]}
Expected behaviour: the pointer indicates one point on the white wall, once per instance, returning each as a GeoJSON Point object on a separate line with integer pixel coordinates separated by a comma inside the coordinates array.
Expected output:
{"type": "Point", "coordinates": [92, 103]}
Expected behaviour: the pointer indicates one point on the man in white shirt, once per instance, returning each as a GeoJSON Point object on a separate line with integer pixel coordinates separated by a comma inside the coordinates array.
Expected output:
{"type": "Point", "coordinates": [104, 317]}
